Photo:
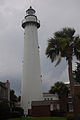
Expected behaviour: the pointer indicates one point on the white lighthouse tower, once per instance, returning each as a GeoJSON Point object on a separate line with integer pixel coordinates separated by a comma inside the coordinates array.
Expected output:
{"type": "Point", "coordinates": [31, 81]}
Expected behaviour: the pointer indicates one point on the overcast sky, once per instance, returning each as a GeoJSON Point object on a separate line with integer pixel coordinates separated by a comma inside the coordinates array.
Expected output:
{"type": "Point", "coordinates": [53, 16]}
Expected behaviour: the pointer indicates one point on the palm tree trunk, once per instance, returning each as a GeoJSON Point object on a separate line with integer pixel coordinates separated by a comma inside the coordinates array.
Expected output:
{"type": "Point", "coordinates": [74, 101]}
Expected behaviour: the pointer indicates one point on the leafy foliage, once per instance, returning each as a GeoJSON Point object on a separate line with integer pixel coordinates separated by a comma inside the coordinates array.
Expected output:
{"type": "Point", "coordinates": [13, 98]}
{"type": "Point", "coordinates": [60, 88]}
{"type": "Point", "coordinates": [20, 110]}
{"type": "Point", "coordinates": [19, 98]}
{"type": "Point", "coordinates": [58, 113]}
{"type": "Point", "coordinates": [63, 44]}
{"type": "Point", "coordinates": [70, 117]}
{"type": "Point", "coordinates": [4, 110]}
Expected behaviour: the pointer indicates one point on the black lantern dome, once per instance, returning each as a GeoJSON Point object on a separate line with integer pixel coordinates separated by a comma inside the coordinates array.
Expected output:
{"type": "Point", "coordinates": [30, 11]}
{"type": "Point", "coordinates": [30, 18]}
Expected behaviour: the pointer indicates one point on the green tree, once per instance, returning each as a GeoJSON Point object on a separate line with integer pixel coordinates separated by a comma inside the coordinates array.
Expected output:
{"type": "Point", "coordinates": [19, 98]}
{"type": "Point", "coordinates": [61, 89]}
{"type": "Point", "coordinates": [13, 98]}
{"type": "Point", "coordinates": [65, 44]}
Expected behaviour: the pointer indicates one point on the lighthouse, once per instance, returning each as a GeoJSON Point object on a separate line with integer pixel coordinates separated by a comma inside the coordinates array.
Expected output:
{"type": "Point", "coordinates": [31, 79]}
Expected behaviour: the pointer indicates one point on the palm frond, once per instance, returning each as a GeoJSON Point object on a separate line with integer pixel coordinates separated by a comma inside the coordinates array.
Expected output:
{"type": "Point", "coordinates": [59, 60]}
{"type": "Point", "coordinates": [77, 48]}
{"type": "Point", "coordinates": [65, 33]}
{"type": "Point", "coordinates": [52, 50]}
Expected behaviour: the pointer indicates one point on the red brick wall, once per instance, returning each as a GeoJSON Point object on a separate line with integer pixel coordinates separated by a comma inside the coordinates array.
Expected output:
{"type": "Point", "coordinates": [63, 106]}
{"type": "Point", "coordinates": [38, 111]}
{"type": "Point", "coordinates": [77, 92]}
{"type": "Point", "coordinates": [44, 110]}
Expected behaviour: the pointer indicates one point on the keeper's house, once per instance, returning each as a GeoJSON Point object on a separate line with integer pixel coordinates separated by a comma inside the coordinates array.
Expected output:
{"type": "Point", "coordinates": [51, 103]}
{"type": "Point", "coordinates": [5, 91]}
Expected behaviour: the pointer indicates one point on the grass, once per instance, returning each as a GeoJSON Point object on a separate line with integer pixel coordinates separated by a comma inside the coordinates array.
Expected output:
{"type": "Point", "coordinates": [41, 118]}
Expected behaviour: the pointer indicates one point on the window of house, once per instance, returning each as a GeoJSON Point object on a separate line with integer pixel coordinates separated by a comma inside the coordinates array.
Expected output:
{"type": "Point", "coordinates": [69, 95]}
{"type": "Point", "coordinates": [70, 106]}
{"type": "Point", "coordinates": [47, 98]}
{"type": "Point", "coordinates": [54, 106]}
{"type": "Point", "coordinates": [58, 107]}
{"type": "Point", "coordinates": [44, 98]}
{"type": "Point", "coordinates": [51, 99]}
{"type": "Point", "coordinates": [51, 107]}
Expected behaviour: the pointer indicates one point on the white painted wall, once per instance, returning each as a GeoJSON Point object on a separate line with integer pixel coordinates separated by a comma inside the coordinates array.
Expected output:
{"type": "Point", "coordinates": [31, 81]}
{"type": "Point", "coordinates": [48, 96]}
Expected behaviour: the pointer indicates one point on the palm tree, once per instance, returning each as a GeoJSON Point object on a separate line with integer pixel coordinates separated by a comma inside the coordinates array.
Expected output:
{"type": "Point", "coordinates": [65, 44]}
{"type": "Point", "coordinates": [61, 89]}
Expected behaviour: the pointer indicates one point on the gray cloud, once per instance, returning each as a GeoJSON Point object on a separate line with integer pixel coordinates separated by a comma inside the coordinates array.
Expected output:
{"type": "Point", "coordinates": [53, 15]}
{"type": "Point", "coordinates": [2, 2]}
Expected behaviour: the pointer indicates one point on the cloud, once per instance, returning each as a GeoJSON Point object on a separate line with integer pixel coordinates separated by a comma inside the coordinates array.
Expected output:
{"type": "Point", "coordinates": [53, 15]}
{"type": "Point", "coordinates": [50, 78]}
{"type": "Point", "coordinates": [54, 74]}
{"type": "Point", "coordinates": [2, 2]}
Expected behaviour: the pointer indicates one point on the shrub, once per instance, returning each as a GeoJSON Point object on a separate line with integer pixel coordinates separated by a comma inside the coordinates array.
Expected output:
{"type": "Point", "coordinates": [4, 110]}
{"type": "Point", "coordinates": [14, 114]}
{"type": "Point", "coordinates": [17, 111]}
{"type": "Point", "coordinates": [79, 116]}
{"type": "Point", "coordinates": [70, 117]}
{"type": "Point", "coordinates": [58, 113]}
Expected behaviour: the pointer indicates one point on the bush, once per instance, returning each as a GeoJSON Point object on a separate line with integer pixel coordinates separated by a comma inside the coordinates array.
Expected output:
{"type": "Point", "coordinates": [4, 110]}
{"type": "Point", "coordinates": [15, 114]}
{"type": "Point", "coordinates": [79, 116]}
{"type": "Point", "coordinates": [58, 113]}
{"type": "Point", "coordinates": [71, 117]}
{"type": "Point", "coordinates": [17, 111]}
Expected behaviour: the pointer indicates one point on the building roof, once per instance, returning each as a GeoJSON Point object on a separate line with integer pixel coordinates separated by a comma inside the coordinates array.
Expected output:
{"type": "Point", "coordinates": [41, 103]}
{"type": "Point", "coordinates": [49, 95]}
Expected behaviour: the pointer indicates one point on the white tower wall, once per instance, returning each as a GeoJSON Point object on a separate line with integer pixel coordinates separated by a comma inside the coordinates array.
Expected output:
{"type": "Point", "coordinates": [31, 82]}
